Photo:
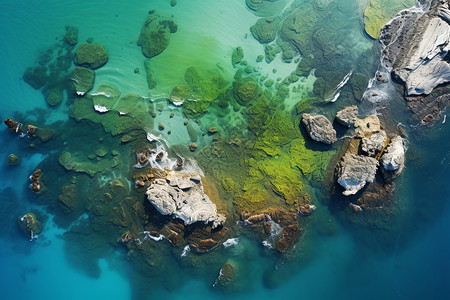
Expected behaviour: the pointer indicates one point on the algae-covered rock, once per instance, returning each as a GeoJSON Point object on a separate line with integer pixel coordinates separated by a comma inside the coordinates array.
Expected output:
{"type": "Point", "coordinates": [193, 135]}
{"type": "Point", "coordinates": [151, 83]}
{"type": "Point", "coordinates": [12, 160]}
{"type": "Point", "coordinates": [227, 273]}
{"type": "Point", "coordinates": [245, 91]}
{"type": "Point", "coordinates": [36, 77]}
{"type": "Point", "coordinates": [71, 37]}
{"type": "Point", "coordinates": [68, 198]}
{"type": "Point", "coordinates": [202, 87]}
{"type": "Point", "coordinates": [155, 34]}
{"type": "Point", "coordinates": [359, 83]}
{"type": "Point", "coordinates": [379, 12]}
{"type": "Point", "coordinates": [265, 30]}
{"type": "Point", "coordinates": [92, 56]}
{"type": "Point", "coordinates": [82, 80]}
{"type": "Point", "coordinates": [55, 96]}
{"type": "Point", "coordinates": [79, 162]}
{"type": "Point", "coordinates": [237, 55]}
{"type": "Point", "coordinates": [30, 225]}
{"type": "Point", "coordinates": [106, 95]}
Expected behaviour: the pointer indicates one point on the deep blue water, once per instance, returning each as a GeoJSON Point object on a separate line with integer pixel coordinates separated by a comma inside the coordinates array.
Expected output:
{"type": "Point", "coordinates": [343, 266]}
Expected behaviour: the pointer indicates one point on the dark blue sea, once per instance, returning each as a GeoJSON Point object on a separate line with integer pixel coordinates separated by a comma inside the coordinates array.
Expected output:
{"type": "Point", "coordinates": [406, 258]}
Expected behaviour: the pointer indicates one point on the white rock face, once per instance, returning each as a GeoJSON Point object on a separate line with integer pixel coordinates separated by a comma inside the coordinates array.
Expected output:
{"type": "Point", "coordinates": [181, 195]}
{"type": "Point", "coordinates": [354, 171]}
{"type": "Point", "coordinates": [426, 67]}
{"type": "Point", "coordinates": [393, 160]}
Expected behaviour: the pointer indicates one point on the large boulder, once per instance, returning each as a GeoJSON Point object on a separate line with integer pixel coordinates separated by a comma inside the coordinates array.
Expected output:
{"type": "Point", "coordinates": [374, 144]}
{"type": "Point", "coordinates": [181, 195]}
{"type": "Point", "coordinates": [155, 34]}
{"type": "Point", "coordinates": [319, 128]}
{"type": "Point", "coordinates": [92, 56]}
{"type": "Point", "coordinates": [393, 159]}
{"type": "Point", "coordinates": [354, 171]}
{"type": "Point", "coordinates": [347, 116]}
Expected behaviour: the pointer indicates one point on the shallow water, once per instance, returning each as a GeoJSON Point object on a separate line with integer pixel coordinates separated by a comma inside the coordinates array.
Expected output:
{"type": "Point", "coordinates": [75, 257]}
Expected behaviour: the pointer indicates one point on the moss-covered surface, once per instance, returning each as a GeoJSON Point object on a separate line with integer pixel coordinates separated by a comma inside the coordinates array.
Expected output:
{"type": "Point", "coordinates": [379, 12]}
{"type": "Point", "coordinates": [202, 87]}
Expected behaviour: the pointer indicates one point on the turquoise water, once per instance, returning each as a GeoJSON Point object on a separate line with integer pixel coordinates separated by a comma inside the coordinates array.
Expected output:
{"type": "Point", "coordinates": [340, 260]}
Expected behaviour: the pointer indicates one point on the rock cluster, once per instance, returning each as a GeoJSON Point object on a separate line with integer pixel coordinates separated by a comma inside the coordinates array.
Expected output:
{"type": "Point", "coordinates": [319, 128]}
{"type": "Point", "coordinates": [36, 183]}
{"type": "Point", "coordinates": [181, 195]}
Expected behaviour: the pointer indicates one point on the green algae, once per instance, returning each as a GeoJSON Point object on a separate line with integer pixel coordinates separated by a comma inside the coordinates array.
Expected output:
{"type": "Point", "coordinates": [379, 12]}
{"type": "Point", "coordinates": [125, 114]}
{"type": "Point", "coordinates": [202, 87]}
{"type": "Point", "coordinates": [79, 162]}
{"type": "Point", "coordinates": [155, 34]}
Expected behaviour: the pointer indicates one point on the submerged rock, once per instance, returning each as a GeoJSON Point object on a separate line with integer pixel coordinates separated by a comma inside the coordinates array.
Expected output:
{"type": "Point", "coordinates": [237, 55]}
{"type": "Point", "coordinates": [347, 116]}
{"type": "Point", "coordinates": [92, 56]}
{"type": "Point", "coordinates": [393, 159]}
{"type": "Point", "coordinates": [36, 77]}
{"type": "Point", "coordinates": [354, 171]}
{"type": "Point", "coordinates": [227, 274]}
{"type": "Point", "coordinates": [12, 160]}
{"type": "Point", "coordinates": [82, 80]}
{"type": "Point", "coordinates": [319, 128]}
{"type": "Point", "coordinates": [155, 34]}
{"type": "Point", "coordinates": [181, 195]}
{"type": "Point", "coordinates": [71, 37]}
{"type": "Point", "coordinates": [265, 30]}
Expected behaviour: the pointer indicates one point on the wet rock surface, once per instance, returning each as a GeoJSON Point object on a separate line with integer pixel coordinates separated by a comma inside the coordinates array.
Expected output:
{"type": "Point", "coordinates": [279, 229]}
{"type": "Point", "coordinates": [319, 128]}
{"type": "Point", "coordinates": [347, 116]}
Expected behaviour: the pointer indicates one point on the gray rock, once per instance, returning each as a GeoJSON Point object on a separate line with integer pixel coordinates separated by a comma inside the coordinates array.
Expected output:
{"type": "Point", "coordinates": [373, 144]}
{"type": "Point", "coordinates": [319, 128]}
{"type": "Point", "coordinates": [416, 45]}
{"type": "Point", "coordinates": [347, 116]}
{"type": "Point", "coordinates": [181, 195]}
{"type": "Point", "coordinates": [354, 171]}
{"type": "Point", "coordinates": [393, 160]}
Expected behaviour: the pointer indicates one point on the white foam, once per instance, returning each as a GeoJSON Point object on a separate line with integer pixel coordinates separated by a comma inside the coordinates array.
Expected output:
{"type": "Point", "coordinates": [185, 251]}
{"type": "Point", "coordinates": [231, 242]}
{"type": "Point", "coordinates": [100, 109]}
